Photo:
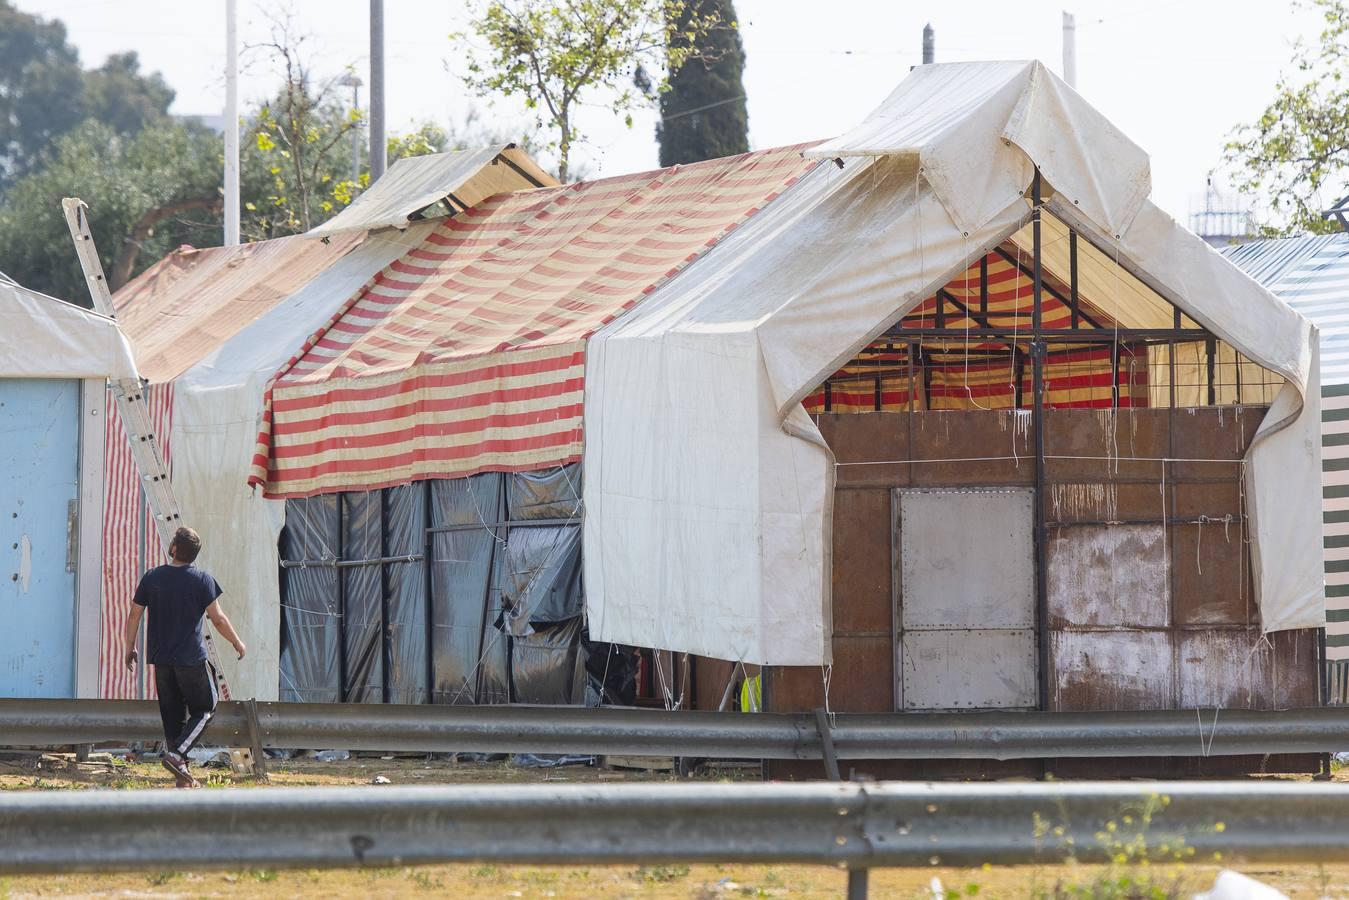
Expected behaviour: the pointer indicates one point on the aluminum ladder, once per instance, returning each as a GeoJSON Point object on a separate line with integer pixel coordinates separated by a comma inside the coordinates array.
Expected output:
{"type": "Point", "coordinates": [129, 394]}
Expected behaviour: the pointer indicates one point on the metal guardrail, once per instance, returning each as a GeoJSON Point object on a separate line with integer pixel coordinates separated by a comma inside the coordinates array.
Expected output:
{"type": "Point", "coordinates": [854, 825]}
{"type": "Point", "coordinates": [552, 729]}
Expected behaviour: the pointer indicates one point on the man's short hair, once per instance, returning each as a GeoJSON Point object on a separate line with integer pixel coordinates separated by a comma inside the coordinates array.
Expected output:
{"type": "Point", "coordinates": [185, 546]}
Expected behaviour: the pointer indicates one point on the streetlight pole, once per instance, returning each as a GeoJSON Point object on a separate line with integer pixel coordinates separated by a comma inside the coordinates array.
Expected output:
{"type": "Point", "coordinates": [352, 81]}
{"type": "Point", "coordinates": [231, 123]}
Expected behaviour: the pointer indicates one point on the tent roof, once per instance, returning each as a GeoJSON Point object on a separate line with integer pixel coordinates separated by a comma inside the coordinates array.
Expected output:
{"type": "Point", "coordinates": [461, 178]}
{"type": "Point", "coordinates": [468, 352]}
{"type": "Point", "coordinates": [1310, 274]}
{"type": "Point", "coordinates": [49, 338]}
{"type": "Point", "coordinates": [707, 524]}
{"type": "Point", "coordinates": [188, 304]}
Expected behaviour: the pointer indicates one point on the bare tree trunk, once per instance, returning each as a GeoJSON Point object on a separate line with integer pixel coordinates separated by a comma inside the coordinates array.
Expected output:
{"type": "Point", "coordinates": [126, 258]}
{"type": "Point", "coordinates": [564, 149]}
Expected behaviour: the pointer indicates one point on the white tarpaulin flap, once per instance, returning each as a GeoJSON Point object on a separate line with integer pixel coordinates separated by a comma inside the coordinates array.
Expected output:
{"type": "Point", "coordinates": [707, 488]}
{"type": "Point", "coordinates": [217, 413]}
{"type": "Point", "coordinates": [48, 338]}
{"type": "Point", "coordinates": [463, 178]}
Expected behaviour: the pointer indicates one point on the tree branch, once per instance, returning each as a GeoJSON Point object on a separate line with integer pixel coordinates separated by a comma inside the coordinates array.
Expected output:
{"type": "Point", "coordinates": [131, 248]}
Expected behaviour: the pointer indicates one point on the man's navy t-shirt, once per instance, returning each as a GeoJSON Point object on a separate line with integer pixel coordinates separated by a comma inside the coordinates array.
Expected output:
{"type": "Point", "coordinates": [176, 597]}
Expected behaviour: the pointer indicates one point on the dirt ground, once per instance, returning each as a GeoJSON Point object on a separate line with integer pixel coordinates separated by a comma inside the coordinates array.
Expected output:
{"type": "Point", "coordinates": [23, 772]}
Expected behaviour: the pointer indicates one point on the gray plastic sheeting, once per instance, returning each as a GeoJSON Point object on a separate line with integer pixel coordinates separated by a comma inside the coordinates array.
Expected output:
{"type": "Point", "coordinates": [309, 612]}
{"type": "Point", "coordinates": [498, 620]}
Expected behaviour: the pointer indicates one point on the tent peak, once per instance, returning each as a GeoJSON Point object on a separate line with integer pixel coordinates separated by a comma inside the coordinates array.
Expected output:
{"type": "Point", "coordinates": [979, 130]}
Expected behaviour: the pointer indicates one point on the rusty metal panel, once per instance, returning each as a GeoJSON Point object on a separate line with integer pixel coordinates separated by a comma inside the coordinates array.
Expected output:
{"type": "Point", "coordinates": [967, 558]}
{"type": "Point", "coordinates": [1212, 433]}
{"type": "Point", "coordinates": [869, 438]}
{"type": "Point", "coordinates": [1226, 668]}
{"type": "Point", "coordinates": [710, 677]}
{"type": "Point", "coordinates": [993, 669]}
{"type": "Point", "coordinates": [861, 563]}
{"type": "Point", "coordinates": [1211, 575]}
{"type": "Point", "coordinates": [1101, 501]}
{"type": "Point", "coordinates": [1212, 500]}
{"type": "Point", "coordinates": [861, 679]}
{"type": "Point", "coordinates": [1104, 445]}
{"type": "Point", "coordinates": [1112, 670]}
{"type": "Point", "coordinates": [1108, 576]}
{"type": "Point", "coordinates": [1294, 668]}
{"type": "Point", "coordinates": [997, 443]}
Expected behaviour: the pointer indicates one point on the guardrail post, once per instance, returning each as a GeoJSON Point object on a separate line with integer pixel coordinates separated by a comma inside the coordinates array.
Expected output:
{"type": "Point", "coordinates": [827, 745]}
{"type": "Point", "coordinates": [857, 884]}
{"type": "Point", "coordinates": [255, 739]}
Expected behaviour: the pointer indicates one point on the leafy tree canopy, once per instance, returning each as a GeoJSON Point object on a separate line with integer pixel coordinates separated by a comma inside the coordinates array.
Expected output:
{"type": "Point", "coordinates": [703, 114]}
{"type": "Point", "coordinates": [553, 53]}
{"type": "Point", "coordinates": [1295, 157]}
{"type": "Point", "coordinates": [44, 92]}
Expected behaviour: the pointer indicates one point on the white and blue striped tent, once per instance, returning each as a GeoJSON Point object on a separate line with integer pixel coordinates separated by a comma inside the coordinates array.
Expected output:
{"type": "Point", "coordinates": [1312, 275]}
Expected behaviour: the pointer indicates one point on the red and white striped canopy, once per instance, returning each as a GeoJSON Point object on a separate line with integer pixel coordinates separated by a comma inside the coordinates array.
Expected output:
{"type": "Point", "coordinates": [468, 354]}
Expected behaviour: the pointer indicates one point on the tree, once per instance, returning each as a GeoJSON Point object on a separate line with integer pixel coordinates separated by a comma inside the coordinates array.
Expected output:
{"type": "Point", "coordinates": [117, 94]}
{"type": "Point", "coordinates": [44, 93]}
{"type": "Point", "coordinates": [552, 53]}
{"type": "Point", "coordinates": [141, 190]}
{"type": "Point", "coordinates": [703, 113]}
{"type": "Point", "coordinates": [1297, 153]}
{"type": "Point", "coordinates": [304, 135]}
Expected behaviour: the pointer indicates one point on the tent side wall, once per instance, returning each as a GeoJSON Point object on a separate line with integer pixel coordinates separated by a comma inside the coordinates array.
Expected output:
{"type": "Point", "coordinates": [129, 542]}
{"type": "Point", "coordinates": [454, 591]}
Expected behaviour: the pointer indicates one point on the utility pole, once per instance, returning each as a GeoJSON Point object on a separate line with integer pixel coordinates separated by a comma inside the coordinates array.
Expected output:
{"type": "Point", "coordinates": [231, 123]}
{"type": "Point", "coordinates": [378, 149]}
{"type": "Point", "coordinates": [929, 45]}
{"type": "Point", "coordinates": [350, 80]}
{"type": "Point", "coordinates": [1069, 49]}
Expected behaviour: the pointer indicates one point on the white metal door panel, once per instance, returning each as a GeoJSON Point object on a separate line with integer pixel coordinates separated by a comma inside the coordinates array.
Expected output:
{"type": "Point", "coordinates": [969, 670]}
{"type": "Point", "coordinates": [967, 558]}
{"type": "Point", "coordinates": [965, 599]}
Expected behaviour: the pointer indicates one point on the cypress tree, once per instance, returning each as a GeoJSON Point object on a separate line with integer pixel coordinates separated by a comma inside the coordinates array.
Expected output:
{"type": "Point", "coordinates": [703, 113]}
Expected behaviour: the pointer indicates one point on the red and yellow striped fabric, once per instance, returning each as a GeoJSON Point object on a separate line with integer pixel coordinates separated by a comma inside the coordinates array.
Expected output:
{"type": "Point", "coordinates": [130, 543]}
{"type": "Point", "coordinates": [468, 354]}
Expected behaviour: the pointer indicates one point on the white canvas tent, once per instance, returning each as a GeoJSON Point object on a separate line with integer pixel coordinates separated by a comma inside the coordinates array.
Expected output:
{"type": "Point", "coordinates": [49, 338]}
{"type": "Point", "coordinates": [708, 524]}
{"type": "Point", "coordinates": [210, 328]}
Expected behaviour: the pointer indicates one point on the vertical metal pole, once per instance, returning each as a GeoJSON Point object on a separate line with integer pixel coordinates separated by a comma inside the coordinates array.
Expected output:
{"type": "Point", "coordinates": [1037, 352]}
{"type": "Point", "coordinates": [428, 592]}
{"type": "Point", "coordinates": [1069, 49]}
{"type": "Point", "coordinates": [341, 609]}
{"type": "Point", "coordinates": [1211, 351]}
{"type": "Point", "coordinates": [1072, 274]}
{"type": "Point", "coordinates": [231, 123]}
{"type": "Point", "coordinates": [378, 150]}
{"type": "Point", "coordinates": [983, 286]}
{"type": "Point", "coordinates": [356, 132]}
{"type": "Point", "coordinates": [929, 45]}
{"type": "Point", "coordinates": [385, 644]}
{"type": "Point", "coordinates": [857, 884]}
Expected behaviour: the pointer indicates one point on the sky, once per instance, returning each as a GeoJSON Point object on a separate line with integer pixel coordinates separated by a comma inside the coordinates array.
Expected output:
{"type": "Point", "coordinates": [1175, 75]}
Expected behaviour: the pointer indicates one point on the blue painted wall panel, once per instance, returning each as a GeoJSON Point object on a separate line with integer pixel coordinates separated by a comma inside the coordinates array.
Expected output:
{"type": "Point", "coordinates": [39, 478]}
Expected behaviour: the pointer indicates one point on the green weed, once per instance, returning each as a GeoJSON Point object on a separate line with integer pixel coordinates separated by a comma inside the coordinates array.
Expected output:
{"type": "Point", "coordinates": [660, 874]}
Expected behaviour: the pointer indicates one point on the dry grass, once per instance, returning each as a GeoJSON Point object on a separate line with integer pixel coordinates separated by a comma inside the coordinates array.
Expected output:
{"type": "Point", "coordinates": [468, 882]}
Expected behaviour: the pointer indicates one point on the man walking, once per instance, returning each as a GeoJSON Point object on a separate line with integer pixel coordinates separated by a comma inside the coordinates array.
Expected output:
{"type": "Point", "coordinates": [178, 595]}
